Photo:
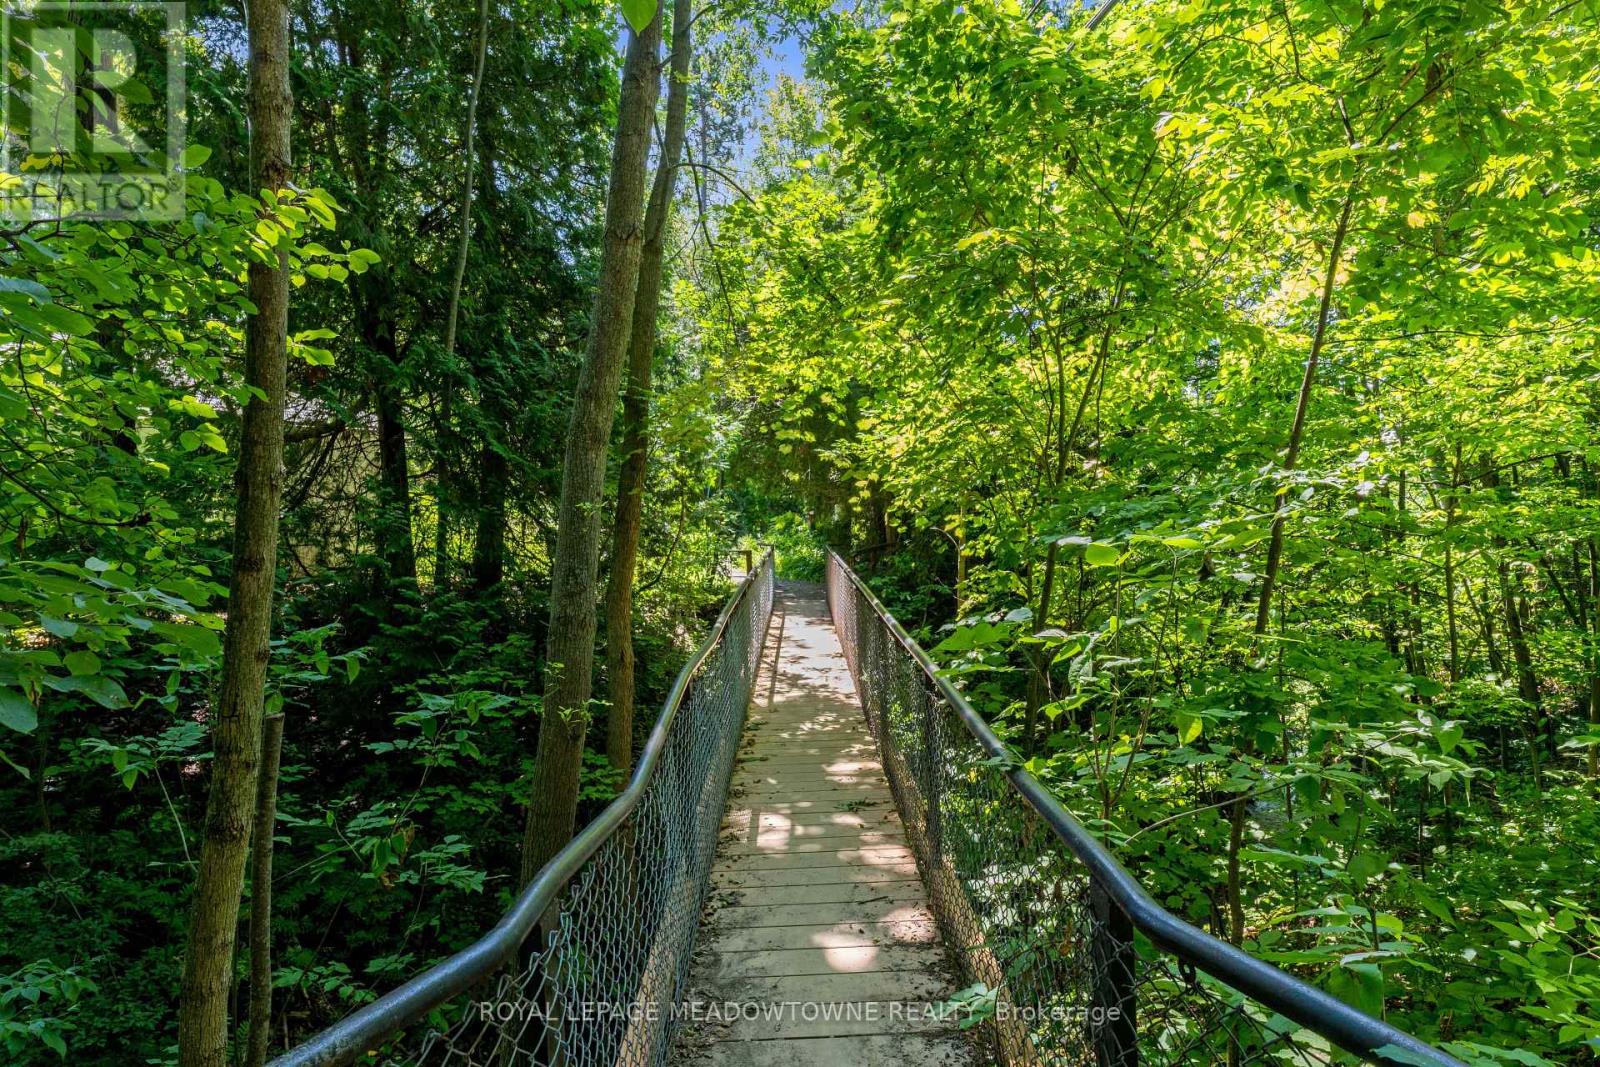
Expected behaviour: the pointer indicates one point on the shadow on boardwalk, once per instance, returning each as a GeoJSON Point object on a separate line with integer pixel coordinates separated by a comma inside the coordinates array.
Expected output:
{"type": "Point", "coordinates": [817, 948]}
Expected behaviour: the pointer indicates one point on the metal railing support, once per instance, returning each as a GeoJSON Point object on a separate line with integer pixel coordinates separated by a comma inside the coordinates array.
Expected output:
{"type": "Point", "coordinates": [1057, 914]}
{"type": "Point", "coordinates": [933, 790]}
{"type": "Point", "coordinates": [623, 898]}
{"type": "Point", "coordinates": [1113, 1009]}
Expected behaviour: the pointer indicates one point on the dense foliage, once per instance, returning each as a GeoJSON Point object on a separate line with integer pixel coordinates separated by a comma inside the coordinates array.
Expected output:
{"type": "Point", "coordinates": [1215, 390]}
{"type": "Point", "coordinates": [419, 494]}
{"type": "Point", "coordinates": [1227, 375]}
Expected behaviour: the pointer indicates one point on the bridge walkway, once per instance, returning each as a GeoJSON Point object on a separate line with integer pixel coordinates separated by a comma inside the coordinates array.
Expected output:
{"type": "Point", "coordinates": [817, 928]}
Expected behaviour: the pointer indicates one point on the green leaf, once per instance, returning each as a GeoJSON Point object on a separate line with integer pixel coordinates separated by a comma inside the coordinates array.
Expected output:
{"type": "Point", "coordinates": [1366, 865]}
{"type": "Point", "coordinates": [1189, 726]}
{"type": "Point", "coordinates": [1396, 1054]}
{"type": "Point", "coordinates": [979, 635]}
{"type": "Point", "coordinates": [195, 155]}
{"type": "Point", "coordinates": [639, 13]}
{"type": "Point", "coordinates": [1434, 906]}
{"type": "Point", "coordinates": [21, 285]}
{"type": "Point", "coordinates": [1360, 985]}
{"type": "Point", "coordinates": [1308, 789]}
{"type": "Point", "coordinates": [362, 258]}
{"type": "Point", "coordinates": [197, 639]}
{"type": "Point", "coordinates": [62, 628]}
{"type": "Point", "coordinates": [56, 319]}
{"type": "Point", "coordinates": [1100, 554]}
{"type": "Point", "coordinates": [17, 711]}
{"type": "Point", "coordinates": [97, 687]}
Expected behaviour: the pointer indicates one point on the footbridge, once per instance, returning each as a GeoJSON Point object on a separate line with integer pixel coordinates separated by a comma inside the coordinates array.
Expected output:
{"type": "Point", "coordinates": [825, 858]}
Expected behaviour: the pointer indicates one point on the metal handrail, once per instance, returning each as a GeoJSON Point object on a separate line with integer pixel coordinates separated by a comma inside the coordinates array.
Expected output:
{"type": "Point", "coordinates": [370, 1026]}
{"type": "Point", "coordinates": [1312, 1008]}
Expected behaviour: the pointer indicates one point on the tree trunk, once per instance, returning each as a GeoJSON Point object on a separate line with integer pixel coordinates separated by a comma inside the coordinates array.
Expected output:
{"type": "Point", "coordinates": [261, 892]}
{"type": "Point", "coordinates": [1237, 813]}
{"type": "Point", "coordinates": [1291, 455]}
{"type": "Point", "coordinates": [1239, 810]}
{"type": "Point", "coordinates": [495, 390]}
{"type": "Point", "coordinates": [636, 404]}
{"type": "Point", "coordinates": [369, 149]}
{"type": "Point", "coordinates": [443, 496]}
{"type": "Point", "coordinates": [203, 1027]}
{"type": "Point", "coordinates": [489, 542]}
{"type": "Point", "coordinates": [1038, 691]}
{"type": "Point", "coordinates": [553, 804]}
{"type": "Point", "coordinates": [1527, 682]}
{"type": "Point", "coordinates": [1411, 590]}
{"type": "Point", "coordinates": [464, 234]}
{"type": "Point", "coordinates": [1516, 635]}
{"type": "Point", "coordinates": [395, 545]}
{"type": "Point", "coordinates": [1594, 655]}
{"type": "Point", "coordinates": [1450, 504]}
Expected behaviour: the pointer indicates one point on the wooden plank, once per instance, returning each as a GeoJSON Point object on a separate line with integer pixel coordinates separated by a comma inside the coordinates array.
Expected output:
{"type": "Point", "coordinates": [850, 873]}
{"type": "Point", "coordinates": [815, 895]}
{"type": "Point", "coordinates": [816, 803]}
{"type": "Point", "coordinates": [821, 838]}
{"type": "Point", "coordinates": [875, 1050]}
{"type": "Point", "coordinates": [810, 914]}
{"type": "Point", "coordinates": [890, 855]}
{"type": "Point", "coordinates": [744, 819]}
{"type": "Point", "coordinates": [897, 890]}
{"type": "Point", "coordinates": [827, 933]}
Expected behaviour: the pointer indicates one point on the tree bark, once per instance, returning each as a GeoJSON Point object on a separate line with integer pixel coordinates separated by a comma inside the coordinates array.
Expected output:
{"type": "Point", "coordinates": [1291, 455]}
{"type": "Point", "coordinates": [1527, 679]}
{"type": "Point", "coordinates": [203, 1027]}
{"type": "Point", "coordinates": [1594, 655]}
{"type": "Point", "coordinates": [443, 496]}
{"type": "Point", "coordinates": [1450, 505]}
{"type": "Point", "coordinates": [1236, 820]}
{"type": "Point", "coordinates": [636, 403]}
{"type": "Point", "coordinates": [1280, 513]}
{"type": "Point", "coordinates": [367, 145]}
{"type": "Point", "coordinates": [495, 391]}
{"type": "Point", "coordinates": [489, 542]}
{"type": "Point", "coordinates": [261, 892]}
{"type": "Point", "coordinates": [553, 804]}
{"type": "Point", "coordinates": [464, 234]}
{"type": "Point", "coordinates": [395, 544]}
{"type": "Point", "coordinates": [1516, 636]}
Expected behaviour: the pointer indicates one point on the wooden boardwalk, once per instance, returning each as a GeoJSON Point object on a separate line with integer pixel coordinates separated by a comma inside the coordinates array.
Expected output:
{"type": "Point", "coordinates": [818, 929]}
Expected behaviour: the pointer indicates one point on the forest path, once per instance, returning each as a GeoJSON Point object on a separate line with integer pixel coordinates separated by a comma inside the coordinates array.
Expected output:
{"type": "Point", "coordinates": [817, 928]}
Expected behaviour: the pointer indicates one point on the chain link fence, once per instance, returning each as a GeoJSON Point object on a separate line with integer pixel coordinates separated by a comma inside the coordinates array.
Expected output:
{"type": "Point", "coordinates": [1079, 965]}
{"type": "Point", "coordinates": [614, 915]}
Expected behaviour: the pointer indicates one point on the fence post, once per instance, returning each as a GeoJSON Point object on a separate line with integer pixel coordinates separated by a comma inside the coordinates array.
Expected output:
{"type": "Point", "coordinates": [1111, 1019]}
{"type": "Point", "coordinates": [933, 790]}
